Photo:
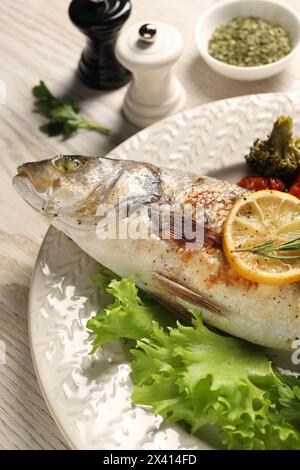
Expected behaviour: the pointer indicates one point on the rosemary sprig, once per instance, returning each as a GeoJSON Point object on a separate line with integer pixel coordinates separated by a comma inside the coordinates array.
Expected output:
{"type": "Point", "coordinates": [269, 250]}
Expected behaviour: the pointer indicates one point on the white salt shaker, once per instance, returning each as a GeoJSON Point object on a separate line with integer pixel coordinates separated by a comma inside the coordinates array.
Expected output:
{"type": "Point", "coordinates": [149, 51]}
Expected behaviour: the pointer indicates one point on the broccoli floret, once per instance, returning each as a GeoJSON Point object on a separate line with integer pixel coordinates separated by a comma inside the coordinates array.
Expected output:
{"type": "Point", "coordinates": [279, 155]}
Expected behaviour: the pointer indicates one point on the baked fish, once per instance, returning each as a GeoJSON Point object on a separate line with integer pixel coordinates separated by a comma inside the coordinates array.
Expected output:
{"type": "Point", "coordinates": [180, 270]}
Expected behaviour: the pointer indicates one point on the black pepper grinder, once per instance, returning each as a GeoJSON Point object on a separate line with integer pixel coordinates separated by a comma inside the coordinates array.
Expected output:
{"type": "Point", "coordinates": [101, 21]}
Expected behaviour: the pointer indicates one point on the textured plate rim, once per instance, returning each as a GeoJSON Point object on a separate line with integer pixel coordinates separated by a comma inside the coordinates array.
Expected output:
{"type": "Point", "coordinates": [32, 349]}
{"type": "Point", "coordinates": [193, 109]}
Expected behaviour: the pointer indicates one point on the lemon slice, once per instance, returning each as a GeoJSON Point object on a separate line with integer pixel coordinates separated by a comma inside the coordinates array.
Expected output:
{"type": "Point", "coordinates": [256, 218]}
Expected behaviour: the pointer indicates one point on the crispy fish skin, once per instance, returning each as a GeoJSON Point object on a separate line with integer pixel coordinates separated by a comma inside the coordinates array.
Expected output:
{"type": "Point", "coordinates": [70, 190]}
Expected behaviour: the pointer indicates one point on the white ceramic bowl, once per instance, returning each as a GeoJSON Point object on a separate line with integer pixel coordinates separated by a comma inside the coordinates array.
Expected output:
{"type": "Point", "coordinates": [275, 12]}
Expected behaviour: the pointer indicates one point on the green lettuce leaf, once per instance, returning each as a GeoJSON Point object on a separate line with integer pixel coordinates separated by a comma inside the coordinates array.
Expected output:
{"type": "Point", "coordinates": [196, 377]}
{"type": "Point", "coordinates": [103, 277]}
{"type": "Point", "coordinates": [130, 316]}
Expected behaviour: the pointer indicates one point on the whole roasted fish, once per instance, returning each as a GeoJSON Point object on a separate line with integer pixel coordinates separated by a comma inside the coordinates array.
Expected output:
{"type": "Point", "coordinates": [84, 196]}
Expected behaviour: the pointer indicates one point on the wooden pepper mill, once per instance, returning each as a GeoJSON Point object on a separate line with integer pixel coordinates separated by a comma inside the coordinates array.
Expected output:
{"type": "Point", "coordinates": [100, 21]}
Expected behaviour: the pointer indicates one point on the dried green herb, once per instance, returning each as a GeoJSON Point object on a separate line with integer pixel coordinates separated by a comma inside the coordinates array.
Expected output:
{"type": "Point", "coordinates": [250, 41]}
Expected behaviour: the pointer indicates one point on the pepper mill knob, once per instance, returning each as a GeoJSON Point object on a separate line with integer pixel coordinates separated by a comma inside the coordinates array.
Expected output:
{"type": "Point", "coordinates": [101, 21]}
{"type": "Point", "coordinates": [150, 50]}
{"type": "Point", "coordinates": [148, 32]}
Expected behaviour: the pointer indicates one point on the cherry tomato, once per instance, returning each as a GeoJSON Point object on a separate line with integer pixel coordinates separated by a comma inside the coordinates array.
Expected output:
{"type": "Point", "coordinates": [276, 184]}
{"type": "Point", "coordinates": [257, 183]}
{"type": "Point", "coordinates": [295, 189]}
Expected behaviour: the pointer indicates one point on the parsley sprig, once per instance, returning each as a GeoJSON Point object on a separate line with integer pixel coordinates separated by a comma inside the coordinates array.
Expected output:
{"type": "Point", "coordinates": [64, 117]}
{"type": "Point", "coordinates": [269, 250]}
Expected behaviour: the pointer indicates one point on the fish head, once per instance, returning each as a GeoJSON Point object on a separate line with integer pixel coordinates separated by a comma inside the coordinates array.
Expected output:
{"type": "Point", "coordinates": [67, 187]}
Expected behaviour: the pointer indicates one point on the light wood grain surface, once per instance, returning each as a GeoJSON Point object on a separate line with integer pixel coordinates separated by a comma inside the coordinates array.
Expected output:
{"type": "Point", "coordinates": [37, 41]}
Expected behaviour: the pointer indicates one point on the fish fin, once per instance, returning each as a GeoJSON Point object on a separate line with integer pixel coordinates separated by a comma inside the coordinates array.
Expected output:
{"type": "Point", "coordinates": [186, 232]}
{"type": "Point", "coordinates": [169, 289]}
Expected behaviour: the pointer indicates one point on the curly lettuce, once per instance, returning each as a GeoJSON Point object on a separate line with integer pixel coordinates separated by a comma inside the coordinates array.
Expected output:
{"type": "Point", "coordinates": [194, 376]}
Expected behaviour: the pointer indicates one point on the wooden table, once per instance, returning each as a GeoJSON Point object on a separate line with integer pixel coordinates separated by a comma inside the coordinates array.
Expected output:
{"type": "Point", "coordinates": [37, 41]}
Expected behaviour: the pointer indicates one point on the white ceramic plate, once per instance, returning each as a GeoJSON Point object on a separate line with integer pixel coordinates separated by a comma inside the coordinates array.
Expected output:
{"type": "Point", "coordinates": [90, 397]}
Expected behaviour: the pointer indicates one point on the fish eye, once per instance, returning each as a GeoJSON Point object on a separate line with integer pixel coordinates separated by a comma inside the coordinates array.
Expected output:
{"type": "Point", "coordinates": [68, 163]}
